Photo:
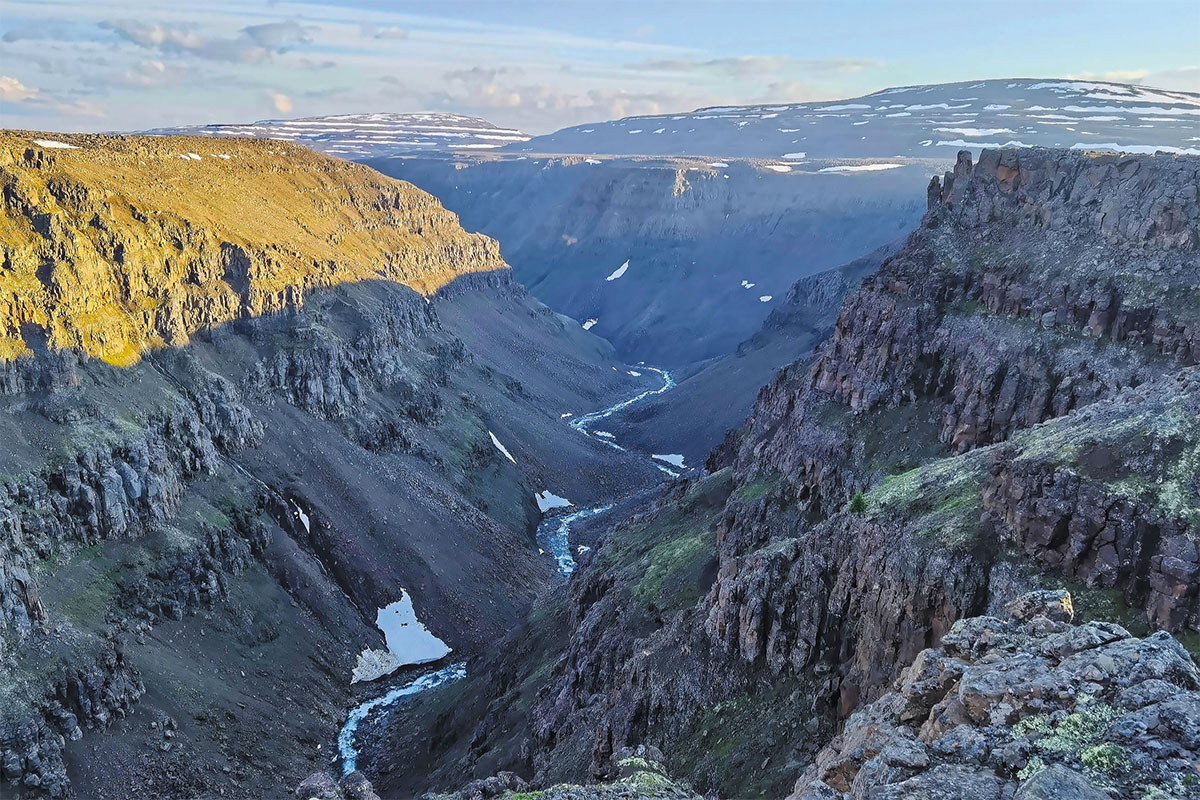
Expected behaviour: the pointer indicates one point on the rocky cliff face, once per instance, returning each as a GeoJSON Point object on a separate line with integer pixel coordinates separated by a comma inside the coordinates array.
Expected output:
{"type": "Point", "coordinates": [706, 240]}
{"type": "Point", "coordinates": [196, 529]}
{"type": "Point", "coordinates": [1010, 402]}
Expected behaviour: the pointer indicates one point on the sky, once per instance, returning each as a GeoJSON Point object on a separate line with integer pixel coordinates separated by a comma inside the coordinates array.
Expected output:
{"type": "Point", "coordinates": [95, 65]}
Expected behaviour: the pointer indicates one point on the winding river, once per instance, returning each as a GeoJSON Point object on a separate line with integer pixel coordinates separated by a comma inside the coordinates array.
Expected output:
{"type": "Point", "coordinates": [553, 534]}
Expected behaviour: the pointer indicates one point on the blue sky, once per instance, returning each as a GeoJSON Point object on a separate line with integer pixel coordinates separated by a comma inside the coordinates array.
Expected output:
{"type": "Point", "coordinates": [539, 66]}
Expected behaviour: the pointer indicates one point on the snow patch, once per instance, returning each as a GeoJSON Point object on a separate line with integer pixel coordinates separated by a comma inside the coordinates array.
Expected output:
{"type": "Point", "coordinates": [794, 155]}
{"type": "Point", "coordinates": [547, 500]}
{"type": "Point", "coordinates": [619, 271]}
{"type": "Point", "coordinates": [589, 323]}
{"type": "Point", "coordinates": [778, 168]}
{"type": "Point", "coordinates": [860, 168]}
{"type": "Point", "coordinates": [670, 458]}
{"type": "Point", "coordinates": [501, 447]}
{"type": "Point", "coordinates": [975, 131]}
{"type": "Point", "coordinates": [766, 298]}
{"type": "Point", "coordinates": [54, 144]}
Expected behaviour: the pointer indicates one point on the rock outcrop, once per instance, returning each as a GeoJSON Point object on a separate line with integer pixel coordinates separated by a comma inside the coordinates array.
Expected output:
{"type": "Point", "coordinates": [1028, 705]}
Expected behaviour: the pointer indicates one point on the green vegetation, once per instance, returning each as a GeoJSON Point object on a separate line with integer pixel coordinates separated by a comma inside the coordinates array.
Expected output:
{"type": "Point", "coordinates": [1035, 765]}
{"type": "Point", "coordinates": [672, 580]}
{"type": "Point", "coordinates": [88, 605]}
{"type": "Point", "coordinates": [1162, 439]}
{"type": "Point", "coordinates": [758, 487]}
{"type": "Point", "coordinates": [1107, 759]}
{"type": "Point", "coordinates": [942, 499]}
{"type": "Point", "coordinates": [731, 739]}
{"type": "Point", "coordinates": [858, 503]}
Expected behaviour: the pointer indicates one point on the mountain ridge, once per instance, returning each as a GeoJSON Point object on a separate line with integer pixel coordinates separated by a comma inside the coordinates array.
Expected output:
{"type": "Point", "coordinates": [921, 121]}
{"type": "Point", "coordinates": [366, 135]}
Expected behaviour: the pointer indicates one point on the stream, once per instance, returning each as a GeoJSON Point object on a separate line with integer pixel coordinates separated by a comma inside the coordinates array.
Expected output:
{"type": "Point", "coordinates": [553, 534]}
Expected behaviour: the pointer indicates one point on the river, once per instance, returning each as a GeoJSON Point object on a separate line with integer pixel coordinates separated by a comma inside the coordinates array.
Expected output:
{"type": "Point", "coordinates": [553, 534]}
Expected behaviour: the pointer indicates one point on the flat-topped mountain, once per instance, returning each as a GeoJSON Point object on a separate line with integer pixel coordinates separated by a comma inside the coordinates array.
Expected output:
{"type": "Point", "coordinates": [367, 135]}
{"type": "Point", "coordinates": [909, 121]}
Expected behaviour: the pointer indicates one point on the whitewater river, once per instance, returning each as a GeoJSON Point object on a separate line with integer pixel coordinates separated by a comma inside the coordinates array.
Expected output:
{"type": "Point", "coordinates": [553, 534]}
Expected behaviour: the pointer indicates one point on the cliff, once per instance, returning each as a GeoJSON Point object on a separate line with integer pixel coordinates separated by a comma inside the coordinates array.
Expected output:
{"type": "Point", "coordinates": [113, 245]}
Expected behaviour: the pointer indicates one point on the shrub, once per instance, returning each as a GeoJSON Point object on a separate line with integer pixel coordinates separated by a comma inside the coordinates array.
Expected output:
{"type": "Point", "coordinates": [858, 503]}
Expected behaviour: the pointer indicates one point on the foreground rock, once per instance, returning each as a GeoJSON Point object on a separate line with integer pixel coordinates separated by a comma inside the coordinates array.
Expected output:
{"type": "Point", "coordinates": [1027, 705]}
{"type": "Point", "coordinates": [641, 775]}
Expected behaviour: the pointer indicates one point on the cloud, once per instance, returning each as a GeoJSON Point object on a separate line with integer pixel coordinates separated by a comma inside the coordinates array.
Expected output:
{"type": "Point", "coordinates": [13, 91]}
{"type": "Point", "coordinates": [1184, 79]}
{"type": "Point", "coordinates": [282, 103]}
{"type": "Point", "coordinates": [383, 31]}
{"type": "Point", "coordinates": [1117, 76]}
{"type": "Point", "coordinates": [254, 44]}
{"type": "Point", "coordinates": [792, 92]}
{"type": "Point", "coordinates": [475, 75]}
{"type": "Point", "coordinates": [150, 73]}
{"type": "Point", "coordinates": [36, 30]}
{"type": "Point", "coordinates": [278, 36]}
{"type": "Point", "coordinates": [309, 63]}
{"type": "Point", "coordinates": [755, 66]}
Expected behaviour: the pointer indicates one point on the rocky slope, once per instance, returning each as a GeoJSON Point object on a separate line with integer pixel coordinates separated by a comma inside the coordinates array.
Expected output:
{"type": "Point", "coordinates": [1011, 402]}
{"type": "Point", "coordinates": [1025, 705]}
{"type": "Point", "coordinates": [711, 247]}
{"type": "Point", "coordinates": [246, 402]}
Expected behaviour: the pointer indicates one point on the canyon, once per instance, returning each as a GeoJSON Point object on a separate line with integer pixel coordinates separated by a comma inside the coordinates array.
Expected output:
{"type": "Point", "coordinates": [925, 522]}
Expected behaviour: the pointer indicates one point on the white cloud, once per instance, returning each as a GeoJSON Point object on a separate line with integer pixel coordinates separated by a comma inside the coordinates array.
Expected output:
{"type": "Point", "coordinates": [1185, 79]}
{"type": "Point", "coordinates": [35, 100]}
{"type": "Point", "coordinates": [282, 103]}
{"type": "Point", "coordinates": [252, 45]}
{"type": "Point", "coordinates": [753, 67]}
{"type": "Point", "coordinates": [13, 91]}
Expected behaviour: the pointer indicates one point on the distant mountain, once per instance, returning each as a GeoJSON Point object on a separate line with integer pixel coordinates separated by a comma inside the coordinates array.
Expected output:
{"type": "Point", "coordinates": [911, 121]}
{"type": "Point", "coordinates": [367, 135]}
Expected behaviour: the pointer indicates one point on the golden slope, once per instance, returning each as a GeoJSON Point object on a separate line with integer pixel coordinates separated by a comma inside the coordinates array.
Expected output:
{"type": "Point", "coordinates": [130, 242]}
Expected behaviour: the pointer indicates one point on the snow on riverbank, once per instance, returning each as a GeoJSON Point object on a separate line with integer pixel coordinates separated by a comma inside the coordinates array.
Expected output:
{"type": "Point", "coordinates": [547, 500]}
{"type": "Point", "coordinates": [408, 642]}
